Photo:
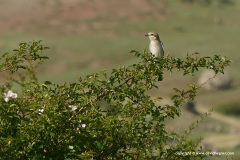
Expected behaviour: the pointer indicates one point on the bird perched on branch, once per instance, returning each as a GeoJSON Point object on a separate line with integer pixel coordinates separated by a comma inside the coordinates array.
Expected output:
{"type": "Point", "coordinates": [156, 45]}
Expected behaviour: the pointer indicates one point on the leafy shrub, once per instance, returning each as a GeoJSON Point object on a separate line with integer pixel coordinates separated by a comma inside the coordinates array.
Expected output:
{"type": "Point", "coordinates": [69, 121]}
{"type": "Point", "coordinates": [232, 109]}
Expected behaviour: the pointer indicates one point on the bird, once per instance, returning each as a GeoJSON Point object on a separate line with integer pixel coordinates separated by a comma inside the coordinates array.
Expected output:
{"type": "Point", "coordinates": [156, 45]}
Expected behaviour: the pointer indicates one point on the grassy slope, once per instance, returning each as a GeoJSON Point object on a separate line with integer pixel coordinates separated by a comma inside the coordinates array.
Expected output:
{"type": "Point", "coordinates": [183, 29]}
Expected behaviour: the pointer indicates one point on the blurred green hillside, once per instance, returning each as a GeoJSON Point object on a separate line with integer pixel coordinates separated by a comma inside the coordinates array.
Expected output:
{"type": "Point", "coordinates": [88, 36]}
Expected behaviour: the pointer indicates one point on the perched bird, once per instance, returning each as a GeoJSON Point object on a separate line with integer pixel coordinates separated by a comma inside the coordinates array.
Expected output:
{"type": "Point", "coordinates": [155, 46]}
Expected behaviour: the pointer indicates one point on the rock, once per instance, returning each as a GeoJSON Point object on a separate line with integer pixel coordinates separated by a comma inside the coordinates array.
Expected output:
{"type": "Point", "coordinates": [209, 81]}
{"type": "Point", "coordinates": [190, 106]}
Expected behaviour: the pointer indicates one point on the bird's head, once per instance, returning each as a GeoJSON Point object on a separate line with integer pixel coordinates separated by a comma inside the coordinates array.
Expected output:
{"type": "Point", "coordinates": [152, 36]}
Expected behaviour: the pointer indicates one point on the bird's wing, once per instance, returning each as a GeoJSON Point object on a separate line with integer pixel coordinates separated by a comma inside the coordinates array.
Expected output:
{"type": "Point", "coordinates": [162, 46]}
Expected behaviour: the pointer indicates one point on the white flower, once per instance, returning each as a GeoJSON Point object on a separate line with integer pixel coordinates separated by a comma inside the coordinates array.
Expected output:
{"type": "Point", "coordinates": [6, 99]}
{"type": "Point", "coordinates": [80, 125]}
{"type": "Point", "coordinates": [41, 110]}
{"type": "Point", "coordinates": [83, 125]}
{"type": "Point", "coordinates": [20, 113]}
{"type": "Point", "coordinates": [9, 94]}
{"type": "Point", "coordinates": [70, 147]}
{"type": "Point", "coordinates": [73, 107]}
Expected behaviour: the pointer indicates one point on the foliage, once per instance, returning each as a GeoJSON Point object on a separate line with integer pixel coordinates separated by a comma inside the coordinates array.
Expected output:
{"type": "Point", "coordinates": [230, 109]}
{"type": "Point", "coordinates": [104, 116]}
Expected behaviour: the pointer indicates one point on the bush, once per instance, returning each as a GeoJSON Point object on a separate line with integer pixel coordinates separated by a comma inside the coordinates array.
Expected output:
{"type": "Point", "coordinates": [69, 121]}
{"type": "Point", "coordinates": [232, 109]}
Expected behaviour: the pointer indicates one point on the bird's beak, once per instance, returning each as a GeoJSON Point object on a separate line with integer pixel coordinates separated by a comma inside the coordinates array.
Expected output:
{"type": "Point", "coordinates": [146, 35]}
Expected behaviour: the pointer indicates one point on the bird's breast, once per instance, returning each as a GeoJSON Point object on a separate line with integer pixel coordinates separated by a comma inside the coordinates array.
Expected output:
{"type": "Point", "coordinates": [155, 49]}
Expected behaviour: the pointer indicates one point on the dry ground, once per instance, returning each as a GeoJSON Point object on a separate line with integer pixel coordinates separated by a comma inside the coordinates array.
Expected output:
{"type": "Point", "coordinates": [72, 15]}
